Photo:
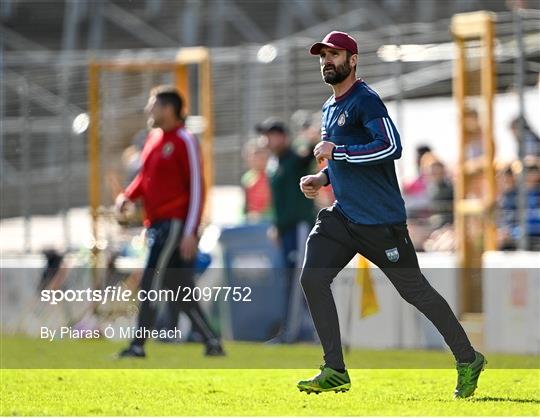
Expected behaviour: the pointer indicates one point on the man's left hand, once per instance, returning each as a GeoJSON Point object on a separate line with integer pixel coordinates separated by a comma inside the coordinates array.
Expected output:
{"type": "Point", "coordinates": [323, 150]}
{"type": "Point", "coordinates": [188, 247]}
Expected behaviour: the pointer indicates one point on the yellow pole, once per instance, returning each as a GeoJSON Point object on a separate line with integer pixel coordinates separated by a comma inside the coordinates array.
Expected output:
{"type": "Point", "coordinates": [135, 67]}
{"type": "Point", "coordinates": [93, 146]}
{"type": "Point", "coordinates": [488, 92]}
{"type": "Point", "coordinates": [181, 82]}
{"type": "Point", "coordinates": [206, 107]}
{"type": "Point", "coordinates": [93, 157]}
{"type": "Point", "coordinates": [460, 85]}
{"type": "Point", "coordinates": [460, 186]}
{"type": "Point", "coordinates": [468, 27]}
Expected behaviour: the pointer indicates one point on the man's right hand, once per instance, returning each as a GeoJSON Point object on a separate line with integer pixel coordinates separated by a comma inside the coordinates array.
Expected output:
{"type": "Point", "coordinates": [310, 185]}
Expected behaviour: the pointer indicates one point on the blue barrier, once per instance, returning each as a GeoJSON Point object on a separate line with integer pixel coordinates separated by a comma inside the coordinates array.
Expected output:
{"type": "Point", "coordinates": [251, 259]}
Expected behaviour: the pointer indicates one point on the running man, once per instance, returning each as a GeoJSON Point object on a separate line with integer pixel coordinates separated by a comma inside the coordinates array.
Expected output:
{"type": "Point", "coordinates": [170, 183]}
{"type": "Point", "coordinates": [360, 142]}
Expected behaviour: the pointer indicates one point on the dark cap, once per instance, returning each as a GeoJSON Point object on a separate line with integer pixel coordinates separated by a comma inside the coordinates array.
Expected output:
{"type": "Point", "coordinates": [337, 40]}
{"type": "Point", "coordinates": [271, 124]}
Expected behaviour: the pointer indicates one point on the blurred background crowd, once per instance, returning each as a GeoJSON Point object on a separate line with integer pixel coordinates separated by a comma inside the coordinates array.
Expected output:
{"type": "Point", "coordinates": [429, 196]}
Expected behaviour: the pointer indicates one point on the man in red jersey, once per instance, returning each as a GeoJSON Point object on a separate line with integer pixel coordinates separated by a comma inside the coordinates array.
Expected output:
{"type": "Point", "coordinates": [170, 184]}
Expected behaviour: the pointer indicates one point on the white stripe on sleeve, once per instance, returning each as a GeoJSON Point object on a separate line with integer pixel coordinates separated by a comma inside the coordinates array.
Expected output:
{"type": "Point", "coordinates": [195, 198]}
{"type": "Point", "coordinates": [375, 156]}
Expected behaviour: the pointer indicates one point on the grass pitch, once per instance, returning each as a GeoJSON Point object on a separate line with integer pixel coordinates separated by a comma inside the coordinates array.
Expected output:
{"type": "Point", "coordinates": [240, 391]}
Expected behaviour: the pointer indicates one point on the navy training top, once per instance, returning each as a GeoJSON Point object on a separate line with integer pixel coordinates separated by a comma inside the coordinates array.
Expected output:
{"type": "Point", "coordinates": [362, 171]}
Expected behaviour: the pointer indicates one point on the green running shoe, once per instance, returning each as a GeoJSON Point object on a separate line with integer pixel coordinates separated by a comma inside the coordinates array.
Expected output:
{"type": "Point", "coordinates": [326, 381]}
{"type": "Point", "coordinates": [468, 374]}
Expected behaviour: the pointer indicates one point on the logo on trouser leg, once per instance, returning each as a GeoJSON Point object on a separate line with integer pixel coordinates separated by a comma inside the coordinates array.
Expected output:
{"type": "Point", "coordinates": [392, 254]}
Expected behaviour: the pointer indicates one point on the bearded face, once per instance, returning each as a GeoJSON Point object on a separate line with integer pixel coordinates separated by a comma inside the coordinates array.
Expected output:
{"type": "Point", "coordinates": [336, 74]}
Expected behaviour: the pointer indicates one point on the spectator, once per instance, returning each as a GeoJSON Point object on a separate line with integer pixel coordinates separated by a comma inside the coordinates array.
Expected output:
{"type": "Point", "coordinates": [291, 211]}
{"type": "Point", "coordinates": [294, 215]}
{"type": "Point", "coordinates": [415, 193]}
{"type": "Point", "coordinates": [308, 132]}
{"type": "Point", "coordinates": [509, 228]}
{"type": "Point", "coordinates": [418, 185]}
{"type": "Point", "coordinates": [530, 143]}
{"type": "Point", "coordinates": [508, 219]}
{"type": "Point", "coordinates": [417, 202]}
{"type": "Point", "coordinates": [532, 181]}
{"type": "Point", "coordinates": [473, 132]}
{"type": "Point", "coordinates": [258, 199]}
{"type": "Point", "coordinates": [441, 195]}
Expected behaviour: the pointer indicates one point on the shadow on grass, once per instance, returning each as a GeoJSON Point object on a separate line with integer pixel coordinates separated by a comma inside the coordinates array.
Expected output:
{"type": "Point", "coordinates": [495, 399]}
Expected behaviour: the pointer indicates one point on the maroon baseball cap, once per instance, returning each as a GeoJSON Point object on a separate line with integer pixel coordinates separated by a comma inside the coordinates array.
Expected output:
{"type": "Point", "coordinates": [337, 40]}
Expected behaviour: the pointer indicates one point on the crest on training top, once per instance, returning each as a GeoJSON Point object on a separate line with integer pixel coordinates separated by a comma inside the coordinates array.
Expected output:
{"type": "Point", "coordinates": [342, 118]}
{"type": "Point", "coordinates": [167, 149]}
{"type": "Point", "coordinates": [392, 254]}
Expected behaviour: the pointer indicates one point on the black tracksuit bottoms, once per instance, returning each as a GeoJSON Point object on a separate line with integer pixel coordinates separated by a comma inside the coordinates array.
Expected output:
{"type": "Point", "coordinates": [165, 269]}
{"type": "Point", "coordinates": [333, 242]}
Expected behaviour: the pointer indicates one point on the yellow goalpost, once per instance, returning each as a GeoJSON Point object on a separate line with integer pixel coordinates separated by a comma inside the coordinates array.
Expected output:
{"type": "Point", "coordinates": [475, 190]}
{"type": "Point", "coordinates": [117, 92]}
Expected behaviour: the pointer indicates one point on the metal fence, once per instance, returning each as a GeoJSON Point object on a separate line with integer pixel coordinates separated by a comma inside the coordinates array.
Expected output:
{"type": "Point", "coordinates": [44, 97]}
